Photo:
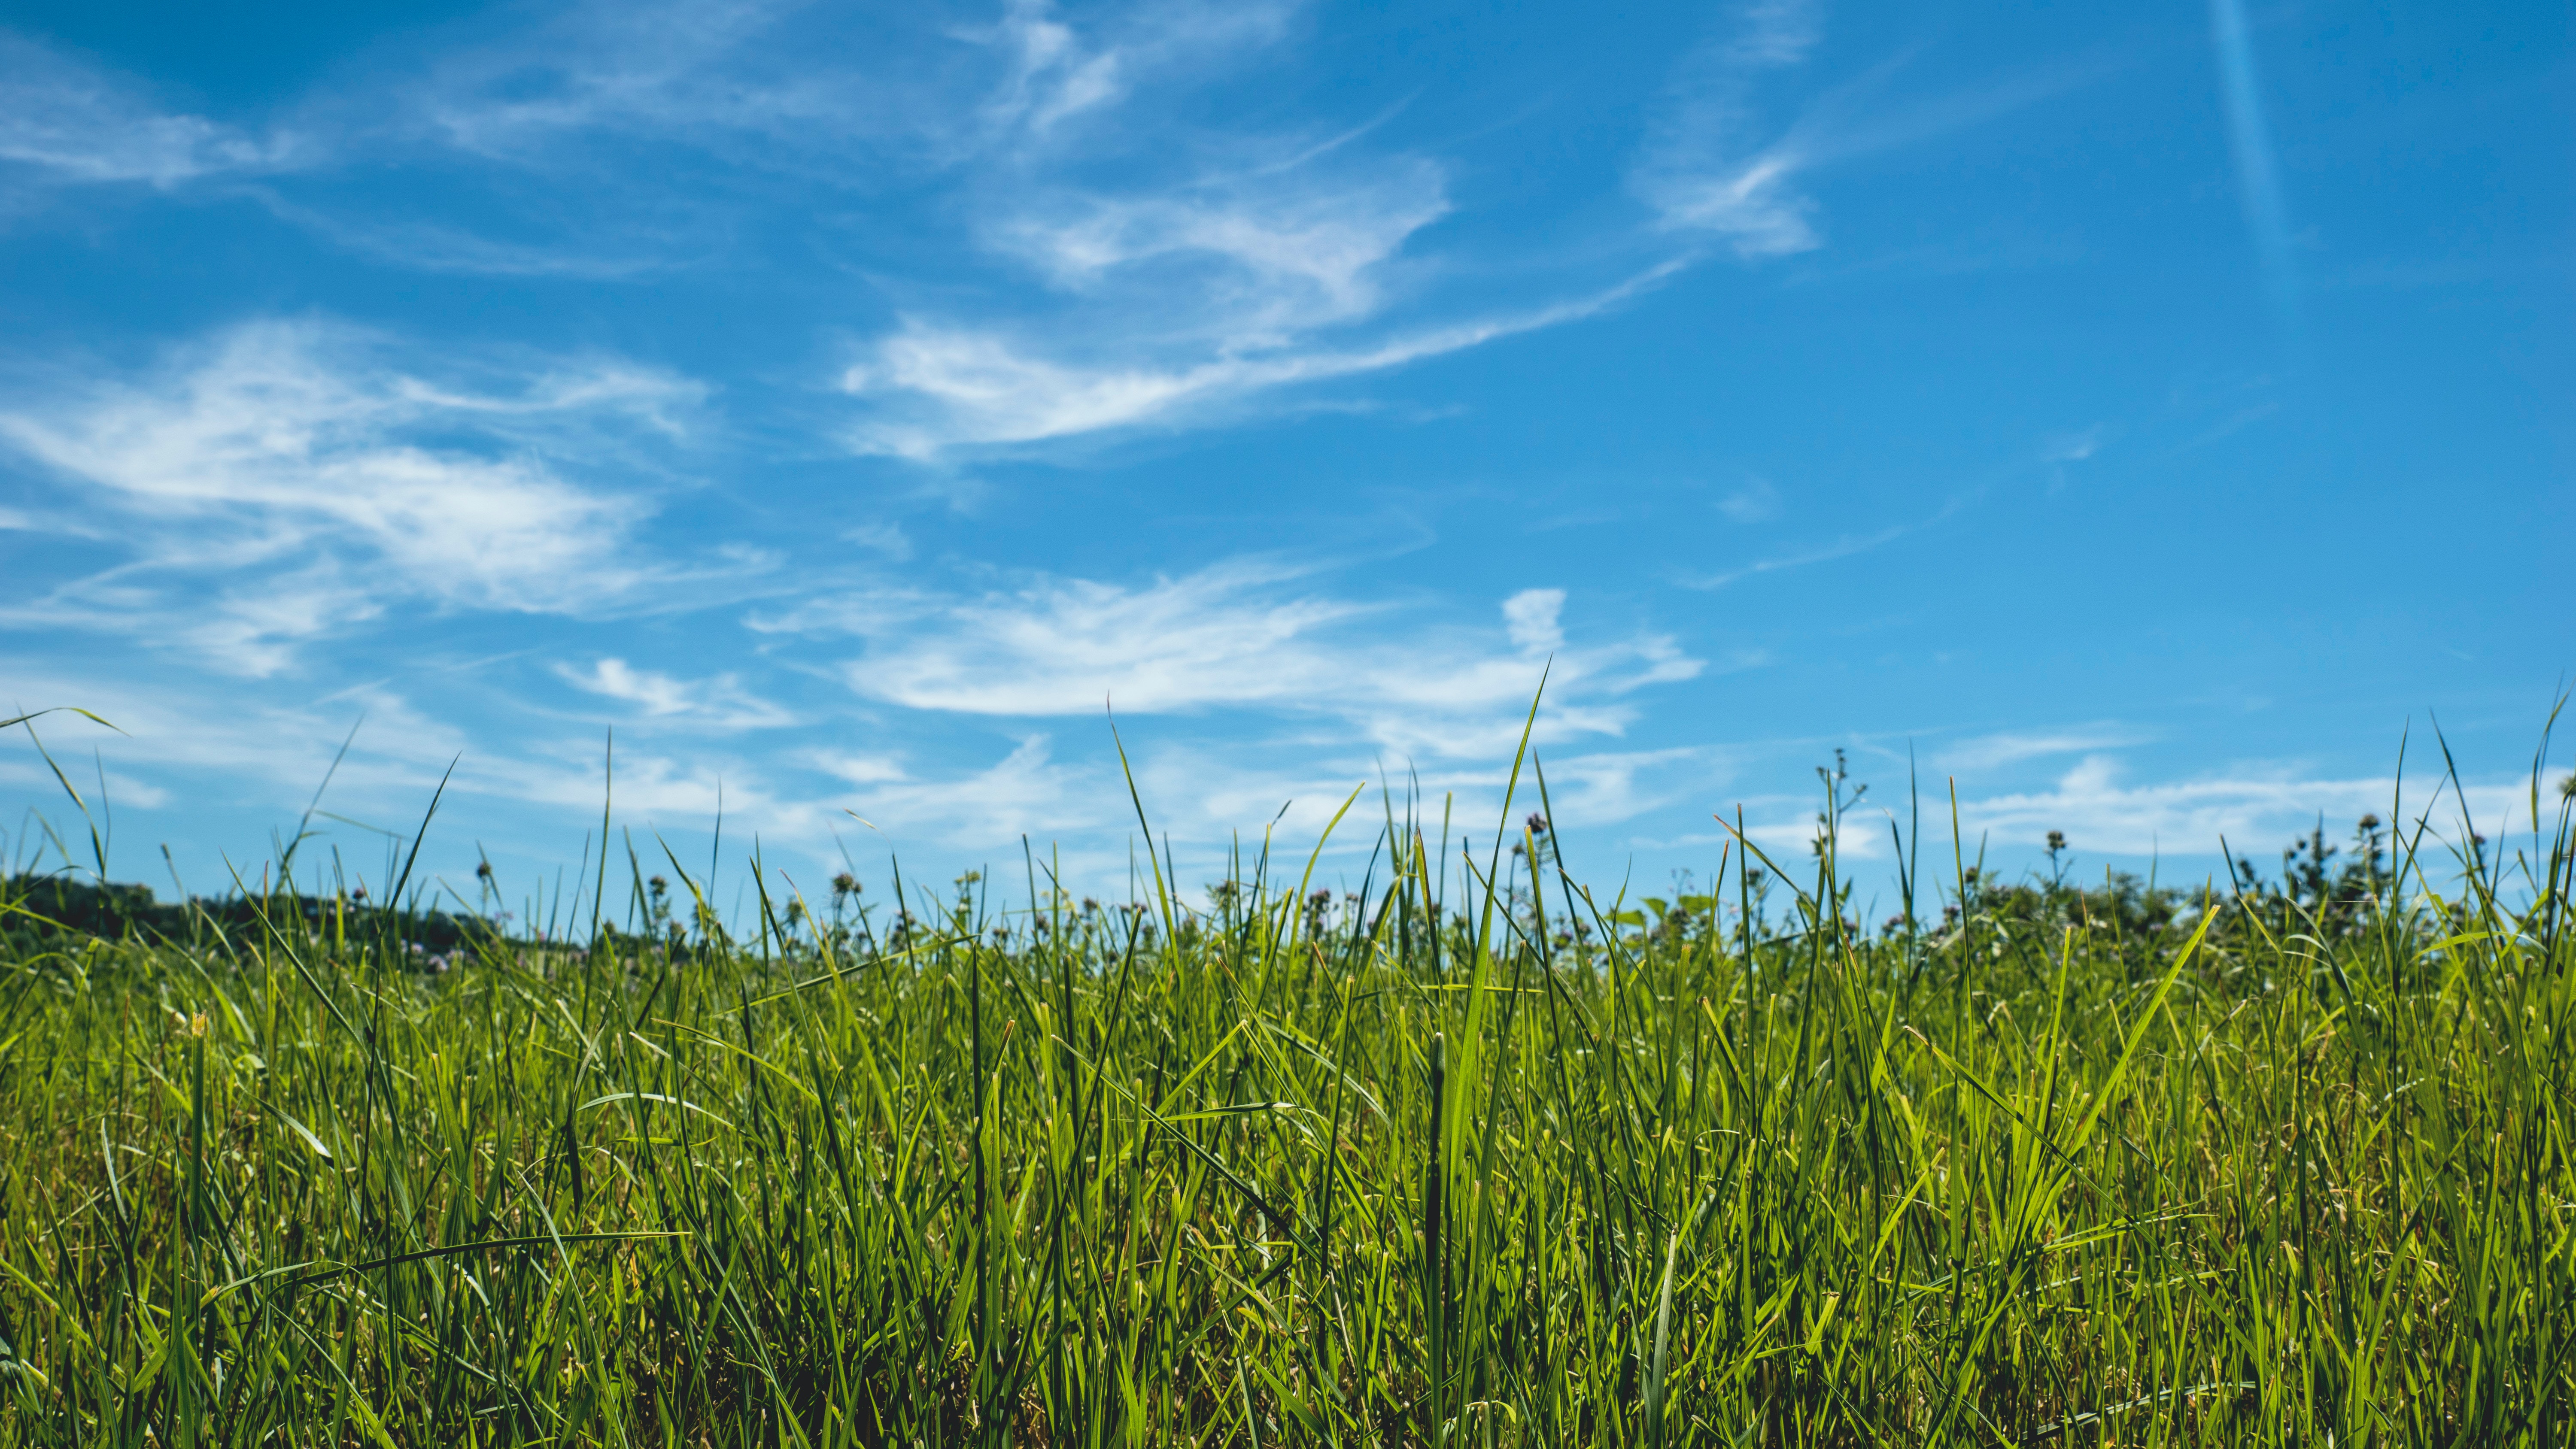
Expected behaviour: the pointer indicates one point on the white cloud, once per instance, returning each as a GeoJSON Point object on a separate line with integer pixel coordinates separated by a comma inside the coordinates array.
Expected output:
{"type": "Point", "coordinates": [1222, 265]}
{"type": "Point", "coordinates": [887, 540]}
{"type": "Point", "coordinates": [1024, 793]}
{"type": "Point", "coordinates": [1708, 168]}
{"type": "Point", "coordinates": [254, 754]}
{"type": "Point", "coordinates": [1775, 33]}
{"type": "Point", "coordinates": [264, 742]}
{"type": "Point", "coordinates": [1530, 617]}
{"type": "Point", "coordinates": [2072, 447]}
{"type": "Point", "coordinates": [1752, 503]}
{"type": "Point", "coordinates": [1052, 74]}
{"type": "Point", "coordinates": [718, 703]}
{"type": "Point", "coordinates": [252, 626]}
{"type": "Point", "coordinates": [1841, 548]}
{"type": "Point", "coordinates": [941, 389]}
{"type": "Point", "coordinates": [1791, 843]}
{"type": "Point", "coordinates": [1206, 290]}
{"type": "Point", "coordinates": [1716, 165]}
{"type": "Point", "coordinates": [857, 769]}
{"type": "Point", "coordinates": [1750, 205]}
{"type": "Point", "coordinates": [25, 772]}
{"type": "Point", "coordinates": [818, 91]}
{"type": "Point", "coordinates": [284, 480]}
{"type": "Point", "coordinates": [1986, 752]}
{"type": "Point", "coordinates": [433, 246]}
{"type": "Point", "coordinates": [1242, 636]}
{"type": "Point", "coordinates": [2254, 809]}
{"type": "Point", "coordinates": [656, 69]}
{"type": "Point", "coordinates": [1201, 797]}
{"type": "Point", "coordinates": [1607, 787]}
{"type": "Point", "coordinates": [2108, 817]}
{"type": "Point", "coordinates": [1286, 255]}
{"type": "Point", "coordinates": [1232, 265]}
{"type": "Point", "coordinates": [79, 124]}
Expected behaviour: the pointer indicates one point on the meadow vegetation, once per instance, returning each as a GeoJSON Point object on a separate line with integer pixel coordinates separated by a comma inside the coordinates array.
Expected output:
{"type": "Point", "coordinates": [1461, 1153]}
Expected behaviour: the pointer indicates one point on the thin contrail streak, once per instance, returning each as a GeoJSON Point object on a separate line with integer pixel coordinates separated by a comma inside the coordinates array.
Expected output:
{"type": "Point", "coordinates": [2251, 140]}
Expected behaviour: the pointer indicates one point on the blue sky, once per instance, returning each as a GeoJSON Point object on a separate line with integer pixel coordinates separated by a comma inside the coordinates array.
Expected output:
{"type": "Point", "coordinates": [2139, 418]}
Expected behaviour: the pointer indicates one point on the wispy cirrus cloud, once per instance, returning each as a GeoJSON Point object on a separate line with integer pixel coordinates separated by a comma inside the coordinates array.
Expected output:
{"type": "Point", "coordinates": [1710, 166]}
{"type": "Point", "coordinates": [1056, 72]}
{"type": "Point", "coordinates": [1756, 502]}
{"type": "Point", "coordinates": [2249, 137]}
{"type": "Point", "coordinates": [67, 121]}
{"type": "Point", "coordinates": [719, 703]}
{"type": "Point", "coordinates": [1256, 262]}
{"type": "Point", "coordinates": [429, 245]}
{"type": "Point", "coordinates": [284, 480]}
{"type": "Point", "coordinates": [588, 74]}
{"type": "Point", "coordinates": [815, 91]}
{"type": "Point", "coordinates": [1242, 635]}
{"type": "Point", "coordinates": [2011, 747]}
{"type": "Point", "coordinates": [1266, 263]}
{"type": "Point", "coordinates": [940, 390]}
{"type": "Point", "coordinates": [1134, 267]}
{"type": "Point", "coordinates": [1799, 557]}
{"type": "Point", "coordinates": [1283, 254]}
{"type": "Point", "coordinates": [1720, 162]}
{"type": "Point", "coordinates": [1844, 547]}
{"type": "Point", "coordinates": [1119, 261]}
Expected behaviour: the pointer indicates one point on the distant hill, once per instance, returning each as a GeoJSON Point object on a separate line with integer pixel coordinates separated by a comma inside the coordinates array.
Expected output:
{"type": "Point", "coordinates": [36, 908]}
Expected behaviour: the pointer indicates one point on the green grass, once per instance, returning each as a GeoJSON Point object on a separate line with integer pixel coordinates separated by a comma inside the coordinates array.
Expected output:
{"type": "Point", "coordinates": [2071, 1167]}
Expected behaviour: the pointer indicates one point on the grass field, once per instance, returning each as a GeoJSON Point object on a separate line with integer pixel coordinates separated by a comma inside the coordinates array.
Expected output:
{"type": "Point", "coordinates": [1466, 1156]}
